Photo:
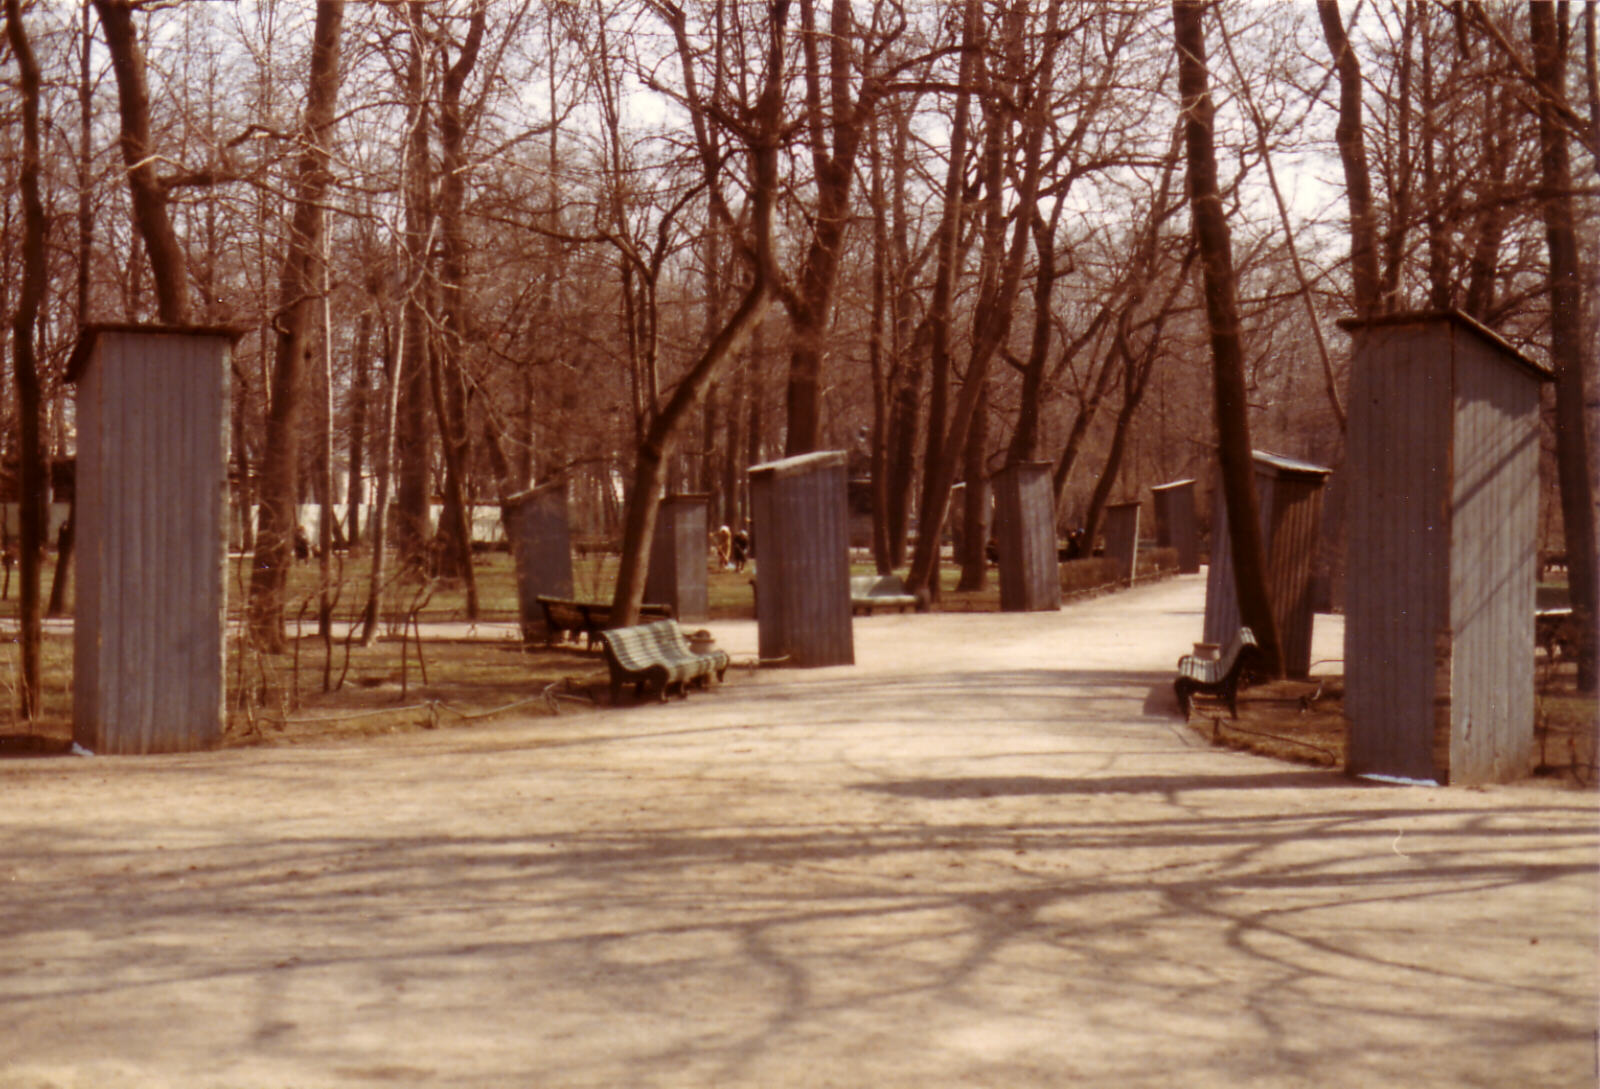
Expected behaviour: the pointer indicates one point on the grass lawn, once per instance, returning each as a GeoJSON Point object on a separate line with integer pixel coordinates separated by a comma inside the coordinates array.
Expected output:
{"type": "Point", "coordinates": [319, 691]}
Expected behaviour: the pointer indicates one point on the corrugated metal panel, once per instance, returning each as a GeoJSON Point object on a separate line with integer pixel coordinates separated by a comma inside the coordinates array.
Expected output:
{"type": "Point", "coordinates": [1398, 456]}
{"type": "Point", "coordinates": [1439, 599]}
{"type": "Point", "coordinates": [677, 575]}
{"type": "Point", "coordinates": [152, 541]}
{"type": "Point", "coordinates": [537, 522]}
{"type": "Point", "coordinates": [801, 514]}
{"type": "Point", "coordinates": [1177, 525]}
{"type": "Point", "coordinates": [1493, 563]}
{"type": "Point", "coordinates": [1025, 521]}
{"type": "Point", "coordinates": [1122, 538]}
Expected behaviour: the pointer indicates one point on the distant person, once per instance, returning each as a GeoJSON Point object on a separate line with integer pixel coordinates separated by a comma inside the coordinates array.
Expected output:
{"type": "Point", "coordinates": [741, 549]}
{"type": "Point", "coordinates": [724, 543]}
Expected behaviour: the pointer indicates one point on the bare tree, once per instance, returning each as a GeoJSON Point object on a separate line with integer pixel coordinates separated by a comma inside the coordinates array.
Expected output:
{"type": "Point", "coordinates": [1568, 348]}
{"type": "Point", "coordinates": [447, 379]}
{"type": "Point", "coordinates": [835, 126]}
{"type": "Point", "coordinates": [1353, 157]}
{"type": "Point", "coordinates": [24, 331]}
{"type": "Point", "coordinates": [1017, 97]}
{"type": "Point", "coordinates": [1211, 233]}
{"type": "Point", "coordinates": [761, 135]}
{"type": "Point", "coordinates": [298, 295]}
{"type": "Point", "coordinates": [151, 193]}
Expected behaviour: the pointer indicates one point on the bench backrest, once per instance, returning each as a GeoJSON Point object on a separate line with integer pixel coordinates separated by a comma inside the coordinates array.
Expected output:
{"type": "Point", "coordinates": [643, 645]}
{"type": "Point", "coordinates": [1243, 639]}
{"type": "Point", "coordinates": [562, 613]}
{"type": "Point", "coordinates": [877, 586]}
{"type": "Point", "coordinates": [587, 615]}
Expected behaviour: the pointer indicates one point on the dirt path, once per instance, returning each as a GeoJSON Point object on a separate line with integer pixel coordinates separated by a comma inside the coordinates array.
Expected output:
{"type": "Point", "coordinates": [986, 855]}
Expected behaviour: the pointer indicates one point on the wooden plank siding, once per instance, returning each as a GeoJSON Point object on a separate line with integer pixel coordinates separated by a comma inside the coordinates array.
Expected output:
{"type": "Point", "coordinates": [1289, 496]}
{"type": "Point", "coordinates": [677, 573]}
{"type": "Point", "coordinates": [1025, 530]}
{"type": "Point", "coordinates": [1122, 538]}
{"type": "Point", "coordinates": [1296, 520]}
{"type": "Point", "coordinates": [148, 645]}
{"type": "Point", "coordinates": [800, 513]}
{"type": "Point", "coordinates": [1177, 524]}
{"type": "Point", "coordinates": [1443, 481]}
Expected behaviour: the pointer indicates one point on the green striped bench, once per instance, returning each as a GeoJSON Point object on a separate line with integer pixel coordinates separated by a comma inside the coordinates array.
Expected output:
{"type": "Point", "coordinates": [1219, 678]}
{"type": "Point", "coordinates": [657, 657]}
{"type": "Point", "coordinates": [867, 592]}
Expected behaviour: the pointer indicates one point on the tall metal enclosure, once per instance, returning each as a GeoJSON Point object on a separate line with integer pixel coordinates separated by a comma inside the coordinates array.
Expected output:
{"type": "Point", "coordinates": [152, 538]}
{"type": "Point", "coordinates": [540, 531]}
{"type": "Point", "coordinates": [1025, 529]}
{"type": "Point", "coordinates": [677, 574]}
{"type": "Point", "coordinates": [1177, 525]}
{"type": "Point", "coordinates": [1289, 493]}
{"type": "Point", "coordinates": [1443, 509]}
{"type": "Point", "coordinates": [801, 521]}
{"type": "Point", "coordinates": [1122, 538]}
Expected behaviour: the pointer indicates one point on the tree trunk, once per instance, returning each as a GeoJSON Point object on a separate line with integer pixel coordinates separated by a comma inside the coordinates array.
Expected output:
{"type": "Point", "coordinates": [1000, 274]}
{"type": "Point", "coordinates": [1489, 230]}
{"type": "Point", "coordinates": [360, 383]}
{"type": "Point", "coordinates": [448, 371]}
{"type": "Point", "coordinates": [1400, 195]}
{"type": "Point", "coordinates": [325, 497]}
{"type": "Point", "coordinates": [904, 380]}
{"type": "Point", "coordinates": [1025, 439]}
{"type": "Point", "coordinates": [650, 464]}
{"type": "Point", "coordinates": [385, 469]}
{"type": "Point", "coordinates": [1353, 157]}
{"type": "Point", "coordinates": [931, 509]}
{"type": "Point", "coordinates": [23, 331]}
{"type": "Point", "coordinates": [1222, 316]}
{"type": "Point", "coordinates": [1433, 200]}
{"type": "Point", "coordinates": [62, 582]}
{"type": "Point", "coordinates": [879, 432]}
{"type": "Point", "coordinates": [763, 138]}
{"type": "Point", "coordinates": [1088, 408]}
{"type": "Point", "coordinates": [1568, 347]}
{"type": "Point", "coordinates": [411, 439]}
{"type": "Point", "coordinates": [150, 213]}
{"type": "Point", "coordinates": [811, 309]}
{"type": "Point", "coordinates": [975, 500]}
{"type": "Point", "coordinates": [296, 319]}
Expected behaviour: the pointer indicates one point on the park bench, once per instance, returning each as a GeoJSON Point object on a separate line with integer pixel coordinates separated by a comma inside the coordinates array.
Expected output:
{"type": "Point", "coordinates": [1552, 631]}
{"type": "Point", "coordinates": [867, 592]}
{"type": "Point", "coordinates": [1217, 678]}
{"type": "Point", "coordinates": [568, 619]}
{"type": "Point", "coordinates": [657, 656]}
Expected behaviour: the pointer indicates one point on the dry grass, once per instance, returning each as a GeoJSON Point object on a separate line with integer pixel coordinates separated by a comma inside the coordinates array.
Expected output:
{"type": "Point", "coordinates": [1303, 722]}
{"type": "Point", "coordinates": [384, 688]}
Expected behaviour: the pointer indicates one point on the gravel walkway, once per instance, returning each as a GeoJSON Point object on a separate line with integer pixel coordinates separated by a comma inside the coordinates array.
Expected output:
{"type": "Point", "coordinates": [986, 855]}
